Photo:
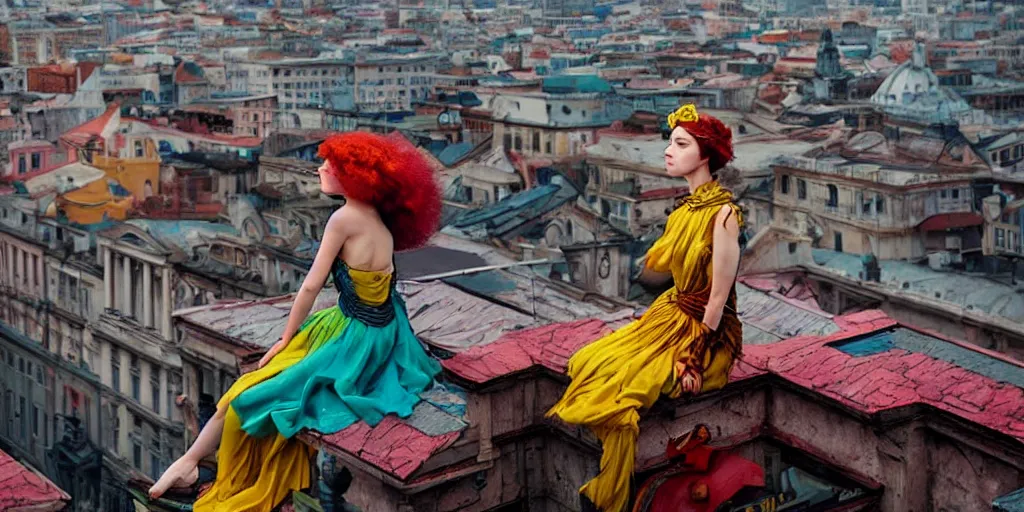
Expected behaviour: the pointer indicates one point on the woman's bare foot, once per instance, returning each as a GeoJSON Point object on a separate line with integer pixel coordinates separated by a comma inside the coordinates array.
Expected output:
{"type": "Point", "coordinates": [182, 473]}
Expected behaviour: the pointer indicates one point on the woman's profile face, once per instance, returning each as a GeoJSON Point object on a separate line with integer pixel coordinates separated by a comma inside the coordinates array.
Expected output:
{"type": "Point", "coordinates": [329, 183]}
{"type": "Point", "coordinates": [682, 156]}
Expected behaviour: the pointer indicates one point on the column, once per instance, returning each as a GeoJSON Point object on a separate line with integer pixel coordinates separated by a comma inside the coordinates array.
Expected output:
{"type": "Point", "coordinates": [106, 370]}
{"type": "Point", "coordinates": [41, 290]}
{"type": "Point", "coordinates": [108, 278]}
{"type": "Point", "coordinates": [19, 271]}
{"type": "Point", "coordinates": [145, 383]}
{"type": "Point", "coordinates": [126, 271]}
{"type": "Point", "coordinates": [165, 315]}
{"type": "Point", "coordinates": [10, 266]}
{"type": "Point", "coordinates": [147, 295]}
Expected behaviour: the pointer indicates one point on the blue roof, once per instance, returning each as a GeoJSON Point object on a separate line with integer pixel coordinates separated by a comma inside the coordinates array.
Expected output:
{"type": "Point", "coordinates": [575, 84]}
{"type": "Point", "coordinates": [454, 152]}
{"type": "Point", "coordinates": [1013, 502]}
{"type": "Point", "coordinates": [176, 231]}
{"type": "Point", "coordinates": [516, 212]}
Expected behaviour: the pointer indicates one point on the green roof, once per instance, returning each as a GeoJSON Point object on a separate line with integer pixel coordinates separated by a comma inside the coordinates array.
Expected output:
{"type": "Point", "coordinates": [575, 84]}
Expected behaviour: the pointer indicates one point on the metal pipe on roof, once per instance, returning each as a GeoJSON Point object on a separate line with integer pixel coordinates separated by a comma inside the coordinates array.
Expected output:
{"type": "Point", "coordinates": [474, 270]}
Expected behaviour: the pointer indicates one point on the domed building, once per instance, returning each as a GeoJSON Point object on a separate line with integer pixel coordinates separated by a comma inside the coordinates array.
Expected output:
{"type": "Point", "coordinates": [912, 94]}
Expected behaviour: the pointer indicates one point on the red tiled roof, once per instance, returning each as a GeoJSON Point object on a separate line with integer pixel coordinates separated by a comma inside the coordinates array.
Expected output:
{"type": "Point", "coordinates": [869, 384]}
{"type": "Point", "coordinates": [22, 488]}
{"type": "Point", "coordinates": [94, 126]}
{"type": "Point", "coordinates": [944, 221]}
{"type": "Point", "coordinates": [182, 76]}
{"type": "Point", "coordinates": [392, 445]}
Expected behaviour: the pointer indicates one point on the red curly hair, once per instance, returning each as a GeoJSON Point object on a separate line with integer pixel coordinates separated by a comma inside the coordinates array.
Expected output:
{"type": "Point", "coordinates": [392, 176]}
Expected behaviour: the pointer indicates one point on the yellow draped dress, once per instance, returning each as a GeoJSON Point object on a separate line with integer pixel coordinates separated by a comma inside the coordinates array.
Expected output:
{"type": "Point", "coordinates": [615, 376]}
{"type": "Point", "coordinates": [336, 370]}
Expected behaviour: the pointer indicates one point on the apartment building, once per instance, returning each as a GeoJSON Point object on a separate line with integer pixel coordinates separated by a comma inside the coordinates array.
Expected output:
{"type": "Point", "coordinates": [869, 208]}
{"type": "Point", "coordinates": [388, 84]}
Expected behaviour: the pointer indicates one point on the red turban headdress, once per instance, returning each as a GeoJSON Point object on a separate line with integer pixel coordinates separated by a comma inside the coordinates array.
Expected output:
{"type": "Point", "coordinates": [713, 137]}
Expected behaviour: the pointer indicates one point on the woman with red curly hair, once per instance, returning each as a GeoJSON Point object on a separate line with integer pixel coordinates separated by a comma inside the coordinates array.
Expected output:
{"type": "Point", "coordinates": [687, 341]}
{"type": "Point", "coordinates": [357, 360]}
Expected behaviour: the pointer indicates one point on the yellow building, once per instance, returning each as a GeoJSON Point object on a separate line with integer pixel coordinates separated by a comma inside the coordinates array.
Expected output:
{"type": "Point", "coordinates": [82, 194]}
{"type": "Point", "coordinates": [130, 160]}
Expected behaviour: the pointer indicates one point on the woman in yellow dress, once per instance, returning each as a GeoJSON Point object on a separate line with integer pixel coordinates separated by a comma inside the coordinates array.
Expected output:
{"type": "Point", "coordinates": [689, 338]}
{"type": "Point", "coordinates": [356, 361]}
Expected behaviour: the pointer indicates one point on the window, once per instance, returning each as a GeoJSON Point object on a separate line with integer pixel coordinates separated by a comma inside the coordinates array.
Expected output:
{"type": "Point", "coordinates": [21, 164]}
{"type": "Point", "coordinates": [136, 379]}
{"type": "Point", "coordinates": [1000, 237]}
{"type": "Point", "coordinates": [536, 141]}
{"type": "Point", "coordinates": [35, 421]}
{"type": "Point", "coordinates": [801, 188]}
{"type": "Point", "coordinates": [879, 204]}
{"type": "Point", "coordinates": [519, 143]}
{"type": "Point", "coordinates": [36, 161]}
{"type": "Point", "coordinates": [956, 193]}
{"type": "Point", "coordinates": [154, 466]}
{"type": "Point", "coordinates": [833, 196]}
{"type": "Point", "coordinates": [115, 369]}
{"type": "Point", "coordinates": [154, 383]}
{"type": "Point", "coordinates": [136, 454]}
{"type": "Point", "coordinates": [174, 388]}
{"type": "Point", "coordinates": [784, 184]}
{"type": "Point", "coordinates": [506, 140]}
{"type": "Point", "coordinates": [23, 414]}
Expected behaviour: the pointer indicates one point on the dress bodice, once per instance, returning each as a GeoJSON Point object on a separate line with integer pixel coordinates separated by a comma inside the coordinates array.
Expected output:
{"type": "Point", "coordinates": [685, 247]}
{"type": "Point", "coordinates": [365, 294]}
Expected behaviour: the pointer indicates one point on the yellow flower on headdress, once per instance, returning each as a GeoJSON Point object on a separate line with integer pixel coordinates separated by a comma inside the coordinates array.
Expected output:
{"type": "Point", "coordinates": [686, 114]}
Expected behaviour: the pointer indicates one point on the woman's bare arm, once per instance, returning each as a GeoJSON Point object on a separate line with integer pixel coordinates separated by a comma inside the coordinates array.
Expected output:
{"type": "Point", "coordinates": [725, 260]}
{"type": "Point", "coordinates": [336, 232]}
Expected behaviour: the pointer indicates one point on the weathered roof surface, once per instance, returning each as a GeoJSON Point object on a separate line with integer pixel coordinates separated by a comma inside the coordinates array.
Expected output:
{"type": "Point", "coordinates": [531, 294]}
{"type": "Point", "coordinates": [400, 446]}
{"type": "Point", "coordinates": [451, 154]}
{"type": "Point", "coordinates": [508, 216]}
{"type": "Point", "coordinates": [454, 320]}
{"type": "Point", "coordinates": [183, 233]}
{"type": "Point", "coordinates": [102, 126]}
{"type": "Point", "coordinates": [970, 293]}
{"type": "Point", "coordinates": [769, 317]}
{"type": "Point", "coordinates": [24, 489]}
{"type": "Point", "coordinates": [871, 365]}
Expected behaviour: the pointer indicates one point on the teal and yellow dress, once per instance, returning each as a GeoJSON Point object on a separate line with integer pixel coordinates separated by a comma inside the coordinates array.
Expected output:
{"type": "Point", "coordinates": [358, 360]}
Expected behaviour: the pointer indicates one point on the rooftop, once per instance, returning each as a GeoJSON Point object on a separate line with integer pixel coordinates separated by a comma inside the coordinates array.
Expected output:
{"type": "Point", "coordinates": [970, 294]}
{"type": "Point", "coordinates": [24, 489]}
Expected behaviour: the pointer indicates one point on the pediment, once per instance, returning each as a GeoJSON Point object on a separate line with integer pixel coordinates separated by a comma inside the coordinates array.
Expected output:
{"type": "Point", "coordinates": [137, 238]}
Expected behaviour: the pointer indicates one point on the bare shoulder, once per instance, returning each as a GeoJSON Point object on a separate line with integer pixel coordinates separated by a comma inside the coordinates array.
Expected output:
{"type": "Point", "coordinates": [726, 219]}
{"type": "Point", "coordinates": [344, 219]}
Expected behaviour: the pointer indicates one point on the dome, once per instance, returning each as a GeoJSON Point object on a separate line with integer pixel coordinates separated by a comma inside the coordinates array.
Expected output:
{"type": "Point", "coordinates": [912, 91]}
{"type": "Point", "coordinates": [912, 77]}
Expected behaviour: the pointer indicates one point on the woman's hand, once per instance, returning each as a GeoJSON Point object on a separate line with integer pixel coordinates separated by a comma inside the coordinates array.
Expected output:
{"type": "Point", "coordinates": [279, 346]}
{"type": "Point", "coordinates": [688, 379]}
{"type": "Point", "coordinates": [689, 370]}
